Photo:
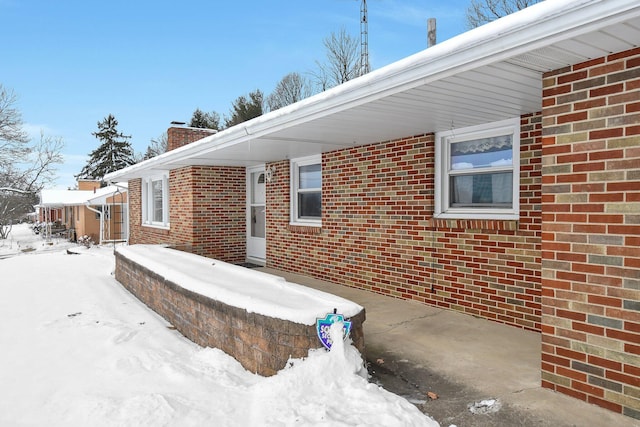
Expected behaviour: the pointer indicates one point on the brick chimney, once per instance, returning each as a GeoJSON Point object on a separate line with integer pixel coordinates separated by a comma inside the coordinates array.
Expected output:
{"type": "Point", "coordinates": [88, 184]}
{"type": "Point", "coordinates": [177, 136]}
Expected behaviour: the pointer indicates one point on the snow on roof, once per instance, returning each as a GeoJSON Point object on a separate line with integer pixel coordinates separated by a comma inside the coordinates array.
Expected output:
{"type": "Point", "coordinates": [458, 83]}
{"type": "Point", "coordinates": [60, 198]}
{"type": "Point", "coordinates": [254, 291]}
{"type": "Point", "coordinates": [101, 195]}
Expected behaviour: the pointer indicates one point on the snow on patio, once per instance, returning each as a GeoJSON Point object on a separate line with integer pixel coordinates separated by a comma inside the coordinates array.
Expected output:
{"type": "Point", "coordinates": [78, 349]}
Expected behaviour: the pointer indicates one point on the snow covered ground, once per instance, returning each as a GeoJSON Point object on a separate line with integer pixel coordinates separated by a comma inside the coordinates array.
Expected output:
{"type": "Point", "coordinates": [22, 241]}
{"type": "Point", "coordinates": [78, 349]}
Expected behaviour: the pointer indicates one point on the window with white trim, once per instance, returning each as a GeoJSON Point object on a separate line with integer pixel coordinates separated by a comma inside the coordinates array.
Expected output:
{"type": "Point", "coordinates": [306, 191]}
{"type": "Point", "coordinates": [478, 172]}
{"type": "Point", "coordinates": [155, 201]}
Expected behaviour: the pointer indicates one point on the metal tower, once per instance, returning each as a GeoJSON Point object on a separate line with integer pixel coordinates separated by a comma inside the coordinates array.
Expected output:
{"type": "Point", "coordinates": [364, 39]}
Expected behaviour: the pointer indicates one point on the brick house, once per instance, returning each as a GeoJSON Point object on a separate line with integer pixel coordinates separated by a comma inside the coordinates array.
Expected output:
{"type": "Point", "coordinates": [496, 174]}
{"type": "Point", "coordinates": [100, 213]}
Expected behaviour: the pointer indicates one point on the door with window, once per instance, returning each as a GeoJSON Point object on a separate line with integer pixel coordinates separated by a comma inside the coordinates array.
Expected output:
{"type": "Point", "coordinates": [256, 214]}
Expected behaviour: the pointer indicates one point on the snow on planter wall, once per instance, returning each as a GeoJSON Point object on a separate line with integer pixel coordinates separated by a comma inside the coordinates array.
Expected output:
{"type": "Point", "coordinates": [259, 319]}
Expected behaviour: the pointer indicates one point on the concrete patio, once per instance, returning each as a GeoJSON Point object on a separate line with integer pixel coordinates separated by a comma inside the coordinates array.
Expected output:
{"type": "Point", "coordinates": [414, 349]}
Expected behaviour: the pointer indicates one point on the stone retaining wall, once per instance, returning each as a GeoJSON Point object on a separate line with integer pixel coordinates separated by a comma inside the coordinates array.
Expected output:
{"type": "Point", "coordinates": [260, 343]}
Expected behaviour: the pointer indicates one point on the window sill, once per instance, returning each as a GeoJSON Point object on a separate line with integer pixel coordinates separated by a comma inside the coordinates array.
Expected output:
{"type": "Point", "coordinates": [302, 228]}
{"type": "Point", "coordinates": [157, 227]}
{"type": "Point", "coordinates": [464, 216]}
{"type": "Point", "coordinates": [316, 224]}
{"type": "Point", "coordinates": [475, 224]}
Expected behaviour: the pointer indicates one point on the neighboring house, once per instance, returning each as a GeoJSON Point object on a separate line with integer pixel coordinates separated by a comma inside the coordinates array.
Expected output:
{"type": "Point", "coordinates": [48, 214]}
{"type": "Point", "coordinates": [100, 213]}
{"type": "Point", "coordinates": [496, 174]}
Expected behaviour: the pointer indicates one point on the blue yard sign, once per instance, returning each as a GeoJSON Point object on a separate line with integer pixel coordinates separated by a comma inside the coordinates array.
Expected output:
{"type": "Point", "coordinates": [323, 327]}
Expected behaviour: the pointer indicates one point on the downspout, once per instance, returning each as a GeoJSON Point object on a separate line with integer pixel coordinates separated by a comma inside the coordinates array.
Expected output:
{"type": "Point", "coordinates": [101, 223]}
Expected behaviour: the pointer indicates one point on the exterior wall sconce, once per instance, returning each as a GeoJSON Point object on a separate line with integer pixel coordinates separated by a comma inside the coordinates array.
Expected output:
{"type": "Point", "coordinates": [270, 172]}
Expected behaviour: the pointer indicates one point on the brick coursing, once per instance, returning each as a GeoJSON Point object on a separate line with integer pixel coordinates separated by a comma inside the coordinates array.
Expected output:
{"type": "Point", "coordinates": [378, 232]}
{"type": "Point", "coordinates": [180, 136]}
{"type": "Point", "coordinates": [206, 212]}
{"type": "Point", "coordinates": [261, 344]}
{"type": "Point", "coordinates": [569, 267]}
{"type": "Point", "coordinates": [591, 229]}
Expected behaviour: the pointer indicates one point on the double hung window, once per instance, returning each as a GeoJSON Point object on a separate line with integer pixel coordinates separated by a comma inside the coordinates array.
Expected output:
{"type": "Point", "coordinates": [155, 201]}
{"type": "Point", "coordinates": [306, 191]}
{"type": "Point", "coordinates": [478, 173]}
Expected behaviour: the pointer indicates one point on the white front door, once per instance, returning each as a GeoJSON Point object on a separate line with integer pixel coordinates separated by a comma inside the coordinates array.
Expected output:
{"type": "Point", "coordinates": [256, 214]}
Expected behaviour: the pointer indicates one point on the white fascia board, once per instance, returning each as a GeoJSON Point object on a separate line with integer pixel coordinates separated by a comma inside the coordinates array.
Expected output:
{"type": "Point", "coordinates": [538, 26]}
{"type": "Point", "coordinates": [100, 196]}
{"type": "Point", "coordinates": [60, 198]}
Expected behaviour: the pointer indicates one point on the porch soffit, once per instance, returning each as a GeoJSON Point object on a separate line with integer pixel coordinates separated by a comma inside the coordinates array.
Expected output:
{"type": "Point", "coordinates": [438, 89]}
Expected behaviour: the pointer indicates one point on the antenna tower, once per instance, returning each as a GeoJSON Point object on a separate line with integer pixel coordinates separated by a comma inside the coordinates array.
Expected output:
{"type": "Point", "coordinates": [364, 39]}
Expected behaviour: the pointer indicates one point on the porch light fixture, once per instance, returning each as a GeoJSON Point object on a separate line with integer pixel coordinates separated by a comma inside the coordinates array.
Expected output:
{"type": "Point", "coordinates": [269, 172]}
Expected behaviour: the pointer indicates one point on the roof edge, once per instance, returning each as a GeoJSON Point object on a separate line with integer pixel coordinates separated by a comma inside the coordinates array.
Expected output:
{"type": "Point", "coordinates": [537, 26]}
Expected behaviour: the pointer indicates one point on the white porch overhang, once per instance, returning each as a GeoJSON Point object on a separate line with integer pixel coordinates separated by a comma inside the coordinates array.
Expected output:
{"type": "Point", "coordinates": [102, 196]}
{"type": "Point", "coordinates": [62, 198]}
{"type": "Point", "coordinates": [490, 73]}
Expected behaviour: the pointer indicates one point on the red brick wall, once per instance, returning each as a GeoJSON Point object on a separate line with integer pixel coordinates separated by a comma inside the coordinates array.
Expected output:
{"type": "Point", "coordinates": [219, 212]}
{"type": "Point", "coordinates": [378, 233]}
{"type": "Point", "coordinates": [135, 212]}
{"type": "Point", "coordinates": [179, 136]}
{"type": "Point", "coordinates": [206, 212]}
{"type": "Point", "coordinates": [591, 232]}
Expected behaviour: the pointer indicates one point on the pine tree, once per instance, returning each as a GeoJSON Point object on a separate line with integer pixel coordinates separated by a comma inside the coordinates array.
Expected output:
{"type": "Point", "coordinates": [114, 153]}
{"type": "Point", "coordinates": [203, 120]}
{"type": "Point", "coordinates": [244, 108]}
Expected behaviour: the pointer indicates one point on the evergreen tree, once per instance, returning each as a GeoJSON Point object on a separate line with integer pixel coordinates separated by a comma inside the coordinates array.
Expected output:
{"type": "Point", "coordinates": [244, 108]}
{"type": "Point", "coordinates": [114, 153]}
{"type": "Point", "coordinates": [203, 120]}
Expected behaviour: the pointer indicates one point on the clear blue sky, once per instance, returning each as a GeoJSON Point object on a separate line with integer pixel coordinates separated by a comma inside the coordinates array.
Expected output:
{"type": "Point", "coordinates": [73, 62]}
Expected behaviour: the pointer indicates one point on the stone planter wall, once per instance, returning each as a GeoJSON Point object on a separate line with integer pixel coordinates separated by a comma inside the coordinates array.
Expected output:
{"type": "Point", "coordinates": [260, 343]}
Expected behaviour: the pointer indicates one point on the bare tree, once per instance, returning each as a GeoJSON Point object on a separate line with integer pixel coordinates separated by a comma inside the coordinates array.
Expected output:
{"type": "Point", "coordinates": [481, 12]}
{"type": "Point", "coordinates": [342, 61]}
{"type": "Point", "coordinates": [14, 141]}
{"type": "Point", "coordinates": [292, 88]}
{"type": "Point", "coordinates": [13, 203]}
{"type": "Point", "coordinates": [25, 168]}
{"type": "Point", "coordinates": [321, 78]}
{"type": "Point", "coordinates": [158, 146]}
{"type": "Point", "coordinates": [40, 167]}
{"type": "Point", "coordinates": [19, 186]}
